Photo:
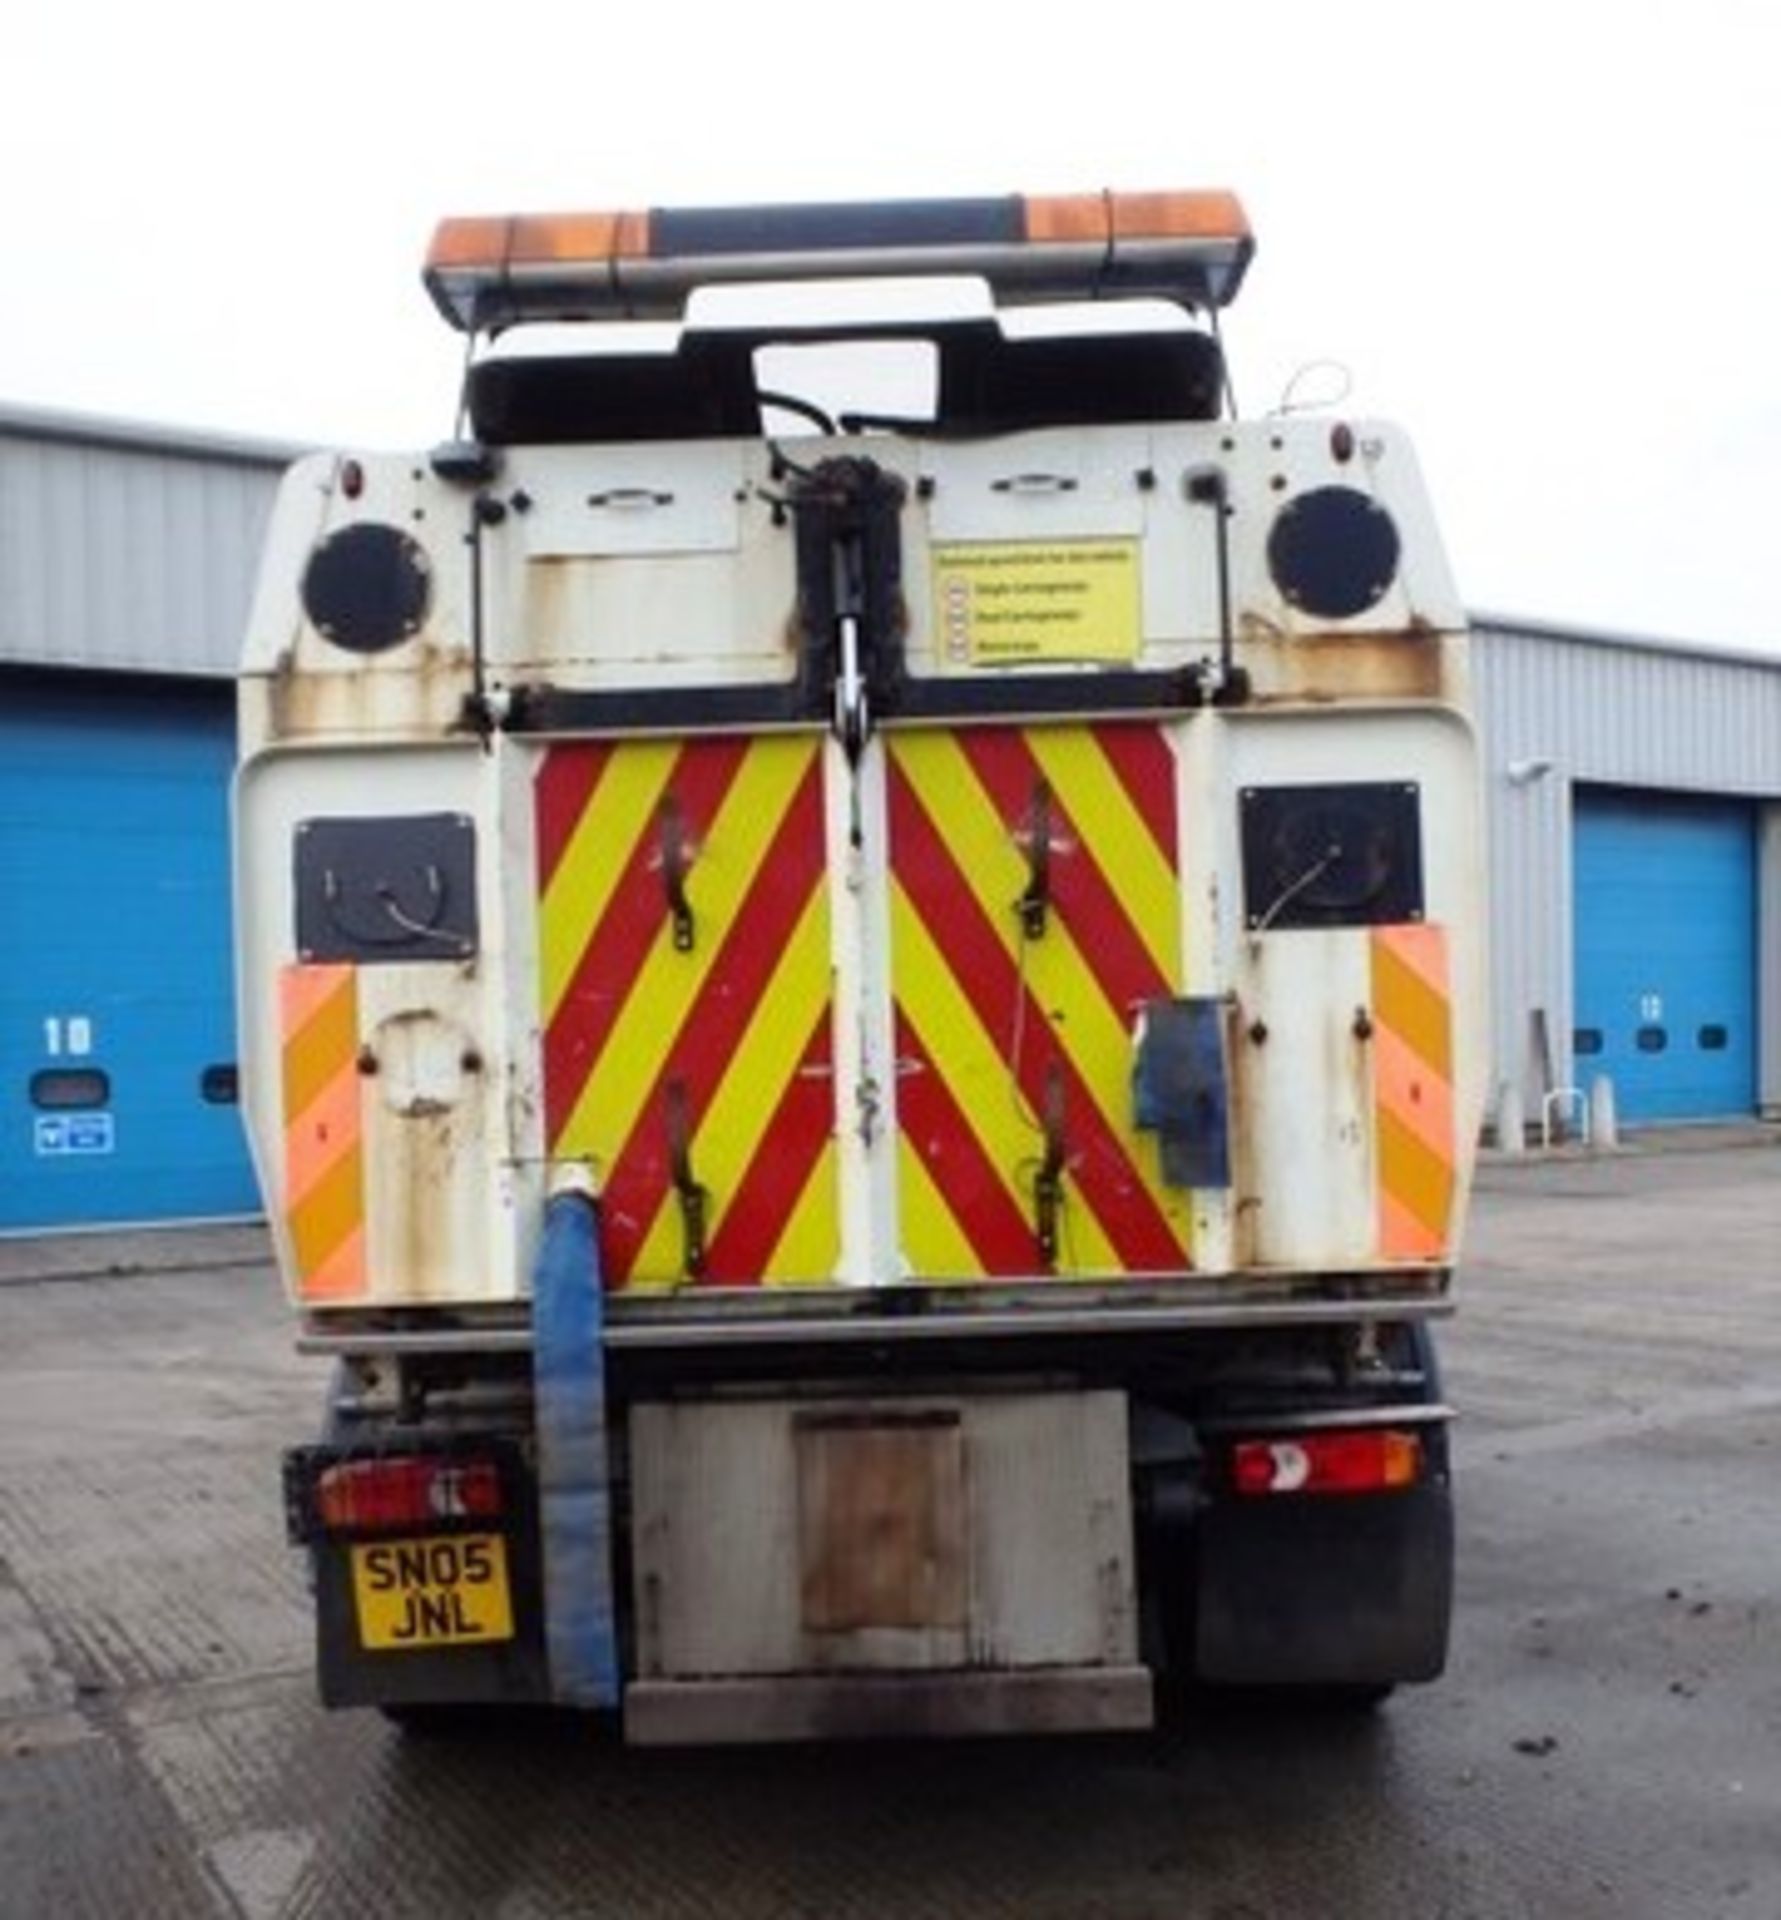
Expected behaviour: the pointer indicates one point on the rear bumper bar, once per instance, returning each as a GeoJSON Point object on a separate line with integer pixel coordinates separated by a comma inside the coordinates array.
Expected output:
{"type": "Point", "coordinates": [859, 1706]}
{"type": "Point", "coordinates": [704, 1331]}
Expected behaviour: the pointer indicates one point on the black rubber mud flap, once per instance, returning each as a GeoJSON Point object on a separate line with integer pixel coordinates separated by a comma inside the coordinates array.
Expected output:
{"type": "Point", "coordinates": [1350, 1591]}
{"type": "Point", "coordinates": [349, 1676]}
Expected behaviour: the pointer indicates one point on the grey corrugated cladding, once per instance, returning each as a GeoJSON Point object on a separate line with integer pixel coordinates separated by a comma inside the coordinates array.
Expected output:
{"type": "Point", "coordinates": [1558, 707]}
{"type": "Point", "coordinates": [126, 547]}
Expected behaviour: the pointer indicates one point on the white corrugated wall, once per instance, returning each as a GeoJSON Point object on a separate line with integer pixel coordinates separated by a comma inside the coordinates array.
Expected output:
{"type": "Point", "coordinates": [126, 548]}
{"type": "Point", "coordinates": [1558, 707]}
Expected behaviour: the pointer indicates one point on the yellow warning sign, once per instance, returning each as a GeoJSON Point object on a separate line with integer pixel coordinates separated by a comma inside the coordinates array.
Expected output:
{"type": "Point", "coordinates": [998, 604]}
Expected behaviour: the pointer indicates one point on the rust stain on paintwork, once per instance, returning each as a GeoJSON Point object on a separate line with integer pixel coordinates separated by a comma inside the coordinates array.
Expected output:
{"type": "Point", "coordinates": [547, 625]}
{"type": "Point", "coordinates": [425, 1143]}
{"type": "Point", "coordinates": [424, 695]}
{"type": "Point", "coordinates": [1245, 1035]}
{"type": "Point", "coordinates": [1412, 663]}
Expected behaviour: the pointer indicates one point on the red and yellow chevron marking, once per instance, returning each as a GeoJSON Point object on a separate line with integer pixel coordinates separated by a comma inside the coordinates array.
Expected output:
{"type": "Point", "coordinates": [1413, 1091]}
{"type": "Point", "coordinates": [989, 1022]}
{"type": "Point", "coordinates": [324, 1161]}
{"type": "Point", "coordinates": [727, 1044]}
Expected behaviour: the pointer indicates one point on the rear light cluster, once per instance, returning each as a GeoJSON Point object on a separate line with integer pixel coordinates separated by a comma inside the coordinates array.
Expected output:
{"type": "Point", "coordinates": [1370, 1460]}
{"type": "Point", "coordinates": [383, 1495]}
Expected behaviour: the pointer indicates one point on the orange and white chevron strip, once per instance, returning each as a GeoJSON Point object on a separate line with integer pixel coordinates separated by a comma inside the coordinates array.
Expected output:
{"type": "Point", "coordinates": [1014, 1043]}
{"type": "Point", "coordinates": [324, 1162]}
{"type": "Point", "coordinates": [1413, 1091]}
{"type": "Point", "coordinates": [686, 986]}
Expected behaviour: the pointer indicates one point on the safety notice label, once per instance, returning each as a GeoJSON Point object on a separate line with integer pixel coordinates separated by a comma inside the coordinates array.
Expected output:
{"type": "Point", "coordinates": [60, 1134]}
{"type": "Point", "coordinates": [1000, 603]}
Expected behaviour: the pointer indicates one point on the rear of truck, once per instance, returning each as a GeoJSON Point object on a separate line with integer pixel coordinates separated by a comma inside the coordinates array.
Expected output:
{"type": "Point", "coordinates": [861, 1017]}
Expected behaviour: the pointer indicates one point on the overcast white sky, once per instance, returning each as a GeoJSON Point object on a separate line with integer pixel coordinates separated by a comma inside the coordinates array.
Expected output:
{"type": "Point", "coordinates": [1542, 236]}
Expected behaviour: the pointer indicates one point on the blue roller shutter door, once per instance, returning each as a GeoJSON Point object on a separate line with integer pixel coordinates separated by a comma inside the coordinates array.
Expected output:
{"type": "Point", "coordinates": [1665, 942]}
{"type": "Point", "coordinates": [116, 1000]}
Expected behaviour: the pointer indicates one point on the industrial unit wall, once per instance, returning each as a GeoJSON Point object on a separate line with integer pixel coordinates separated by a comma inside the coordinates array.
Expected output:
{"type": "Point", "coordinates": [117, 1044]}
{"type": "Point", "coordinates": [127, 556]}
{"type": "Point", "coordinates": [1635, 826]}
{"type": "Point", "coordinates": [128, 548]}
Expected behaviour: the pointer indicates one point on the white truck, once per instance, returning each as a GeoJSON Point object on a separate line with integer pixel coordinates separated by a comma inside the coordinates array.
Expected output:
{"type": "Point", "coordinates": [860, 924]}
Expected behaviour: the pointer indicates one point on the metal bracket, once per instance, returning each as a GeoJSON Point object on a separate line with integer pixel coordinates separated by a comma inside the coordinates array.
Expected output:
{"type": "Point", "coordinates": [1048, 1183]}
{"type": "Point", "coordinates": [1220, 683]}
{"type": "Point", "coordinates": [850, 596]}
{"type": "Point", "coordinates": [1033, 903]}
{"type": "Point", "coordinates": [694, 1199]}
{"type": "Point", "coordinates": [676, 861]}
{"type": "Point", "coordinates": [852, 718]}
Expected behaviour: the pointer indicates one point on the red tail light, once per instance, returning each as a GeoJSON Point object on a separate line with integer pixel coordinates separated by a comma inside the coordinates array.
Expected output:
{"type": "Point", "coordinates": [1369, 1460]}
{"type": "Point", "coordinates": [354, 1496]}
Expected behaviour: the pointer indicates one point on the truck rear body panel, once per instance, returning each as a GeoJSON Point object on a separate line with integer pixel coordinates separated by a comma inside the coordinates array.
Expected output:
{"type": "Point", "coordinates": [858, 1056]}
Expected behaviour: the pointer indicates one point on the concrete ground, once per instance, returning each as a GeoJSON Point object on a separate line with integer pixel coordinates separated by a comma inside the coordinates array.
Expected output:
{"type": "Point", "coordinates": [1607, 1743]}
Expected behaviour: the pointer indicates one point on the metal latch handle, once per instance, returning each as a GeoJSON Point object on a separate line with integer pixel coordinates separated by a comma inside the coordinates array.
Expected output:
{"type": "Point", "coordinates": [630, 499]}
{"type": "Point", "coordinates": [1034, 483]}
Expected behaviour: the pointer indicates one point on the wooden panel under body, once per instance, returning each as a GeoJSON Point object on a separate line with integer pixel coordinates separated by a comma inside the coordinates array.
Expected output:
{"type": "Point", "coordinates": [881, 1521]}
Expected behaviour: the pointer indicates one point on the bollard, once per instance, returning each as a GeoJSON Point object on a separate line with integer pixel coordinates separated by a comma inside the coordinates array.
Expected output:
{"type": "Point", "coordinates": [1511, 1121]}
{"type": "Point", "coordinates": [1555, 1115]}
{"type": "Point", "coordinates": [1604, 1132]}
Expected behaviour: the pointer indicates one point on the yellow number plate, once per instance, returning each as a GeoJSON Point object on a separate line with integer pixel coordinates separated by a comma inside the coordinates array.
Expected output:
{"type": "Point", "coordinates": [449, 1590]}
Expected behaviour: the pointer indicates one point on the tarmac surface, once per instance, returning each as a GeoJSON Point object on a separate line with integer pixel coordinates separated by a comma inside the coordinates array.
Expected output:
{"type": "Point", "coordinates": [1606, 1744]}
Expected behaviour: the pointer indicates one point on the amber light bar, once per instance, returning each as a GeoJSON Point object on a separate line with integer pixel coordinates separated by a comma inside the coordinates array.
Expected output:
{"type": "Point", "coordinates": [486, 273]}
